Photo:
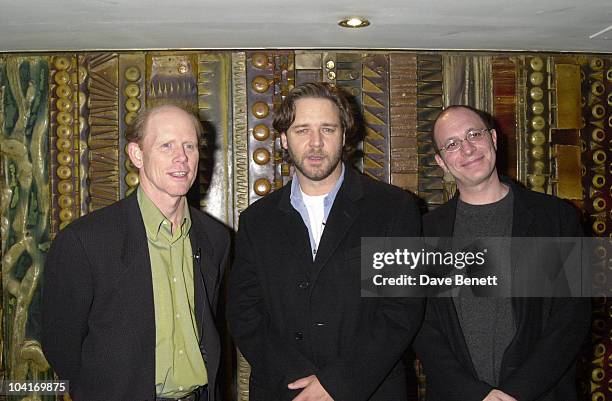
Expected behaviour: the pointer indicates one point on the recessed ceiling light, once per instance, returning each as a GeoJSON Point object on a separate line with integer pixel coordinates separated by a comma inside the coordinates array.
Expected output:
{"type": "Point", "coordinates": [354, 22]}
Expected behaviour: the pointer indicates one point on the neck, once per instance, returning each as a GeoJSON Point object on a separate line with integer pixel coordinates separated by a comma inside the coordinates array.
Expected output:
{"type": "Point", "coordinates": [322, 187]}
{"type": "Point", "coordinates": [171, 207]}
{"type": "Point", "coordinates": [489, 191]}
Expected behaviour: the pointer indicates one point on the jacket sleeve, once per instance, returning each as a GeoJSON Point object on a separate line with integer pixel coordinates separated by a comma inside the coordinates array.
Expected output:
{"type": "Point", "coordinates": [567, 325]}
{"type": "Point", "coordinates": [554, 353]}
{"type": "Point", "coordinates": [251, 326]}
{"type": "Point", "coordinates": [225, 246]}
{"type": "Point", "coordinates": [67, 296]}
{"type": "Point", "coordinates": [382, 341]}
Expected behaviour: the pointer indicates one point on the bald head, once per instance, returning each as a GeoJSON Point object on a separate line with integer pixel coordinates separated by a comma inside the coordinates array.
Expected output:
{"type": "Point", "coordinates": [140, 126]}
{"type": "Point", "coordinates": [452, 113]}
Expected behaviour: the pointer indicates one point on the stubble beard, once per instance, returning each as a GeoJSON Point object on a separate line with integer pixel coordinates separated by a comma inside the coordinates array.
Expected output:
{"type": "Point", "coordinates": [317, 173]}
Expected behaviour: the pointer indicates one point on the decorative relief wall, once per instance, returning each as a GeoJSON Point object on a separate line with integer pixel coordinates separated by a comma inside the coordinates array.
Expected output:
{"type": "Point", "coordinates": [403, 120]}
{"type": "Point", "coordinates": [131, 101]}
{"type": "Point", "coordinates": [64, 141]}
{"type": "Point", "coordinates": [429, 105]}
{"type": "Point", "coordinates": [63, 119]}
{"type": "Point", "coordinates": [537, 124]}
{"type": "Point", "coordinates": [25, 201]}
{"type": "Point", "coordinates": [260, 98]}
{"type": "Point", "coordinates": [103, 141]}
{"type": "Point", "coordinates": [504, 90]}
{"type": "Point", "coordinates": [596, 169]}
{"type": "Point", "coordinates": [375, 101]}
{"type": "Point", "coordinates": [214, 110]}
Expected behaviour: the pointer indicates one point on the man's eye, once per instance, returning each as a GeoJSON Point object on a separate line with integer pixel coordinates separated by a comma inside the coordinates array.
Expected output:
{"type": "Point", "coordinates": [329, 130]}
{"type": "Point", "coordinates": [301, 131]}
{"type": "Point", "coordinates": [475, 134]}
{"type": "Point", "coordinates": [450, 146]}
{"type": "Point", "coordinates": [190, 146]}
{"type": "Point", "coordinates": [165, 145]}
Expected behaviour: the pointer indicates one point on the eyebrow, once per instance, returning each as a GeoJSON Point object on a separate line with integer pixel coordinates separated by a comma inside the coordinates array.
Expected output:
{"type": "Point", "coordinates": [308, 125]}
{"type": "Point", "coordinates": [465, 132]}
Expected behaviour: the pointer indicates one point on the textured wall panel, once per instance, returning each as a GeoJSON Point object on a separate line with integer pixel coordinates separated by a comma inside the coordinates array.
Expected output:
{"type": "Point", "coordinates": [240, 135]}
{"type": "Point", "coordinates": [131, 102]}
{"type": "Point", "coordinates": [240, 184]}
{"type": "Point", "coordinates": [467, 81]}
{"type": "Point", "coordinates": [25, 197]}
{"type": "Point", "coordinates": [567, 174]}
{"type": "Point", "coordinates": [429, 102]}
{"type": "Point", "coordinates": [504, 110]}
{"type": "Point", "coordinates": [103, 86]}
{"type": "Point", "coordinates": [309, 66]}
{"type": "Point", "coordinates": [330, 67]}
{"type": "Point", "coordinates": [567, 99]}
{"type": "Point", "coordinates": [403, 120]}
{"type": "Point", "coordinates": [566, 120]}
{"type": "Point", "coordinates": [284, 81]}
{"type": "Point", "coordinates": [215, 159]}
{"type": "Point", "coordinates": [537, 124]}
{"type": "Point", "coordinates": [375, 101]}
{"type": "Point", "coordinates": [596, 136]}
{"type": "Point", "coordinates": [260, 95]}
{"type": "Point", "coordinates": [347, 73]}
{"type": "Point", "coordinates": [172, 78]}
{"type": "Point", "coordinates": [83, 132]}
{"type": "Point", "coordinates": [64, 124]}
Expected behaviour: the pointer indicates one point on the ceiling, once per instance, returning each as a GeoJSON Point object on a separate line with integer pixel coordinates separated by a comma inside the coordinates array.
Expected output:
{"type": "Point", "coordinates": [547, 25]}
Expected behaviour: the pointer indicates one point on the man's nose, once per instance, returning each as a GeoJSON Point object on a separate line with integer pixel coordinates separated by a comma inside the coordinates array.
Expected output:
{"type": "Point", "coordinates": [180, 154]}
{"type": "Point", "coordinates": [467, 147]}
{"type": "Point", "coordinates": [315, 139]}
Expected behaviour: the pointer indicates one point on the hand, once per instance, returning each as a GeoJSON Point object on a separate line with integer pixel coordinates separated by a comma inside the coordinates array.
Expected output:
{"type": "Point", "coordinates": [498, 395]}
{"type": "Point", "coordinates": [312, 390]}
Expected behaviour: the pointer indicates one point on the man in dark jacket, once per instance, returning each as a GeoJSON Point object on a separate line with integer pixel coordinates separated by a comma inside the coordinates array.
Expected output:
{"type": "Point", "coordinates": [496, 349]}
{"type": "Point", "coordinates": [130, 290]}
{"type": "Point", "coordinates": [295, 309]}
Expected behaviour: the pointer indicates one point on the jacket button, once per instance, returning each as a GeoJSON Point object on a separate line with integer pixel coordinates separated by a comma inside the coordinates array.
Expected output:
{"type": "Point", "coordinates": [319, 324]}
{"type": "Point", "coordinates": [299, 335]}
{"type": "Point", "coordinates": [303, 285]}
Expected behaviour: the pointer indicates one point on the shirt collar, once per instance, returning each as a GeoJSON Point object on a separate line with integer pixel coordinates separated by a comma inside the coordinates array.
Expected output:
{"type": "Point", "coordinates": [154, 219]}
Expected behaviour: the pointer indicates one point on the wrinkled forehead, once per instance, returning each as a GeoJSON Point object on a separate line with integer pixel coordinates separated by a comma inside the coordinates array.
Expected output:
{"type": "Point", "coordinates": [170, 121]}
{"type": "Point", "coordinates": [455, 123]}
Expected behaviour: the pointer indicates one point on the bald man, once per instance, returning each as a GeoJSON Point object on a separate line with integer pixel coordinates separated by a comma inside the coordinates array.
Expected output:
{"type": "Point", "coordinates": [130, 290]}
{"type": "Point", "coordinates": [496, 349]}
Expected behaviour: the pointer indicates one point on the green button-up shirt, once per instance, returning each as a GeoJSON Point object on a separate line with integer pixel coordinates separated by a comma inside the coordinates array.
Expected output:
{"type": "Point", "coordinates": [179, 367]}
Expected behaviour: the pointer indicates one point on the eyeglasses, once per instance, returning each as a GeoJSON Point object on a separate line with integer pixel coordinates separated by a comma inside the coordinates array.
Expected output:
{"type": "Point", "coordinates": [472, 136]}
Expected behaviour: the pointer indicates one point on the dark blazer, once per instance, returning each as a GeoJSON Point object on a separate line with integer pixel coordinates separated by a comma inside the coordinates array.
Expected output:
{"type": "Point", "coordinates": [98, 311]}
{"type": "Point", "coordinates": [292, 317]}
{"type": "Point", "coordinates": [539, 364]}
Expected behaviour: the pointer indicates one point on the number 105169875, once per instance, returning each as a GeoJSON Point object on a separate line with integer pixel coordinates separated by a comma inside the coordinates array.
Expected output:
{"type": "Point", "coordinates": [25, 387]}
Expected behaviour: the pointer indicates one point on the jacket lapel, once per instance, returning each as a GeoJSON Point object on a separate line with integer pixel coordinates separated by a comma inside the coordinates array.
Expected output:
{"type": "Point", "coordinates": [205, 273]}
{"type": "Point", "coordinates": [341, 217]}
{"type": "Point", "coordinates": [522, 218]}
{"type": "Point", "coordinates": [134, 281]}
{"type": "Point", "coordinates": [295, 230]}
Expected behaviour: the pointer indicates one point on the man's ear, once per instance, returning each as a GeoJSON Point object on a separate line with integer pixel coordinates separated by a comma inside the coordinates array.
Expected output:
{"type": "Point", "coordinates": [441, 162]}
{"type": "Point", "coordinates": [284, 140]}
{"type": "Point", "coordinates": [135, 154]}
{"type": "Point", "coordinates": [494, 138]}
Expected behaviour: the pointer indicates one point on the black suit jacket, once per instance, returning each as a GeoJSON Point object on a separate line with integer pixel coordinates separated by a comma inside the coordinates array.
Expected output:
{"type": "Point", "coordinates": [98, 311]}
{"type": "Point", "coordinates": [292, 317]}
{"type": "Point", "coordinates": [539, 364]}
